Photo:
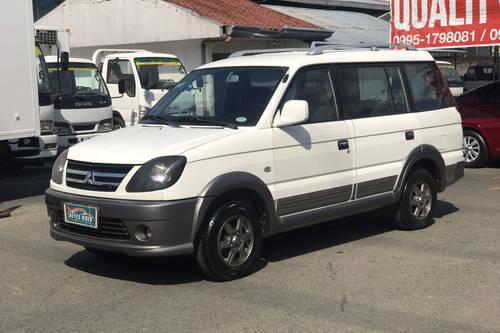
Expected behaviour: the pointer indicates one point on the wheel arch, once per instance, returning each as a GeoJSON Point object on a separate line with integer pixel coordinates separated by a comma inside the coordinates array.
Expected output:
{"type": "Point", "coordinates": [425, 157]}
{"type": "Point", "coordinates": [117, 114]}
{"type": "Point", "coordinates": [232, 185]}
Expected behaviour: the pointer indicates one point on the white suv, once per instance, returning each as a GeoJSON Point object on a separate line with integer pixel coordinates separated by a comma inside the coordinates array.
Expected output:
{"type": "Point", "coordinates": [252, 146]}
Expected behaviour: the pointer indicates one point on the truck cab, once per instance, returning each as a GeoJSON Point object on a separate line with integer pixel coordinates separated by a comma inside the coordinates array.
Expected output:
{"type": "Point", "coordinates": [452, 77]}
{"type": "Point", "coordinates": [147, 77]}
{"type": "Point", "coordinates": [83, 108]}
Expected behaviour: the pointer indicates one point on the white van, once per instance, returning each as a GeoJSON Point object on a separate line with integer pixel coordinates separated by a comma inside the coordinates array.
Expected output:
{"type": "Point", "coordinates": [451, 76]}
{"type": "Point", "coordinates": [147, 78]}
{"type": "Point", "coordinates": [249, 147]}
{"type": "Point", "coordinates": [83, 108]}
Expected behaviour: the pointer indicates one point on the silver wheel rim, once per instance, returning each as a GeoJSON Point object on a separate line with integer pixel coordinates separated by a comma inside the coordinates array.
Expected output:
{"type": "Point", "coordinates": [421, 200]}
{"type": "Point", "coordinates": [235, 240]}
{"type": "Point", "coordinates": [472, 149]}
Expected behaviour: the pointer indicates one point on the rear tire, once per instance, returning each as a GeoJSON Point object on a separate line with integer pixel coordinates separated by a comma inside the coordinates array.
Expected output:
{"type": "Point", "coordinates": [418, 202]}
{"type": "Point", "coordinates": [475, 150]}
{"type": "Point", "coordinates": [230, 245]}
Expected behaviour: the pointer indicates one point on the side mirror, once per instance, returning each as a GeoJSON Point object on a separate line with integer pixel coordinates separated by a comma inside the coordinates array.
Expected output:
{"type": "Point", "coordinates": [121, 87]}
{"type": "Point", "coordinates": [64, 61]}
{"type": "Point", "coordinates": [294, 112]}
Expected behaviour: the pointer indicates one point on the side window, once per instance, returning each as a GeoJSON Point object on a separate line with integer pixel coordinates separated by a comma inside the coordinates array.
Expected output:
{"type": "Point", "coordinates": [428, 87]}
{"type": "Point", "coordinates": [371, 91]}
{"type": "Point", "coordinates": [121, 69]}
{"type": "Point", "coordinates": [314, 85]}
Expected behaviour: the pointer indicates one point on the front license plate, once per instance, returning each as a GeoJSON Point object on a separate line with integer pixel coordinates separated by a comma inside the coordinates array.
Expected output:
{"type": "Point", "coordinates": [84, 216]}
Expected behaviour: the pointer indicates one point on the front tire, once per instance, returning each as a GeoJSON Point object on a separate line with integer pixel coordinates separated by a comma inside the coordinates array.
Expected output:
{"type": "Point", "coordinates": [475, 150]}
{"type": "Point", "coordinates": [118, 123]}
{"type": "Point", "coordinates": [418, 202]}
{"type": "Point", "coordinates": [230, 245]}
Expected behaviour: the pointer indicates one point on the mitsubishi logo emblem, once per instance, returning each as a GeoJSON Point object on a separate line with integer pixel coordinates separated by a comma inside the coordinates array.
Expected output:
{"type": "Point", "coordinates": [89, 178]}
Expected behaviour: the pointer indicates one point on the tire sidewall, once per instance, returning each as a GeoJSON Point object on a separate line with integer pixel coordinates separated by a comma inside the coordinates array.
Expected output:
{"type": "Point", "coordinates": [210, 252]}
{"type": "Point", "coordinates": [118, 121]}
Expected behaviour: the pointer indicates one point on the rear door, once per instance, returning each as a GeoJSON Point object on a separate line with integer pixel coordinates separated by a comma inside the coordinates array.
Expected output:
{"type": "Point", "coordinates": [313, 162]}
{"type": "Point", "coordinates": [373, 97]}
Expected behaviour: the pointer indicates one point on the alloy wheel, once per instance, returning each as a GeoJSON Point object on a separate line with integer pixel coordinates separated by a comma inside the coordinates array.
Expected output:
{"type": "Point", "coordinates": [421, 200]}
{"type": "Point", "coordinates": [471, 149]}
{"type": "Point", "coordinates": [235, 240]}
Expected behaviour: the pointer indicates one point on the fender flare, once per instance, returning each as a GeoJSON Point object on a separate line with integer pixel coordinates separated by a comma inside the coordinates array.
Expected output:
{"type": "Point", "coordinates": [422, 152]}
{"type": "Point", "coordinates": [228, 182]}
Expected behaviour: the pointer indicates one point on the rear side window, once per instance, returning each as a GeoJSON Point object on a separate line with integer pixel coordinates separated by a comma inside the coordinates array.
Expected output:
{"type": "Point", "coordinates": [314, 86]}
{"type": "Point", "coordinates": [428, 87]}
{"type": "Point", "coordinates": [371, 91]}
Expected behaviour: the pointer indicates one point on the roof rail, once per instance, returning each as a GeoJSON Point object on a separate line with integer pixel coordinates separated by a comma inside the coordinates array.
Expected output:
{"type": "Point", "coordinates": [246, 53]}
{"type": "Point", "coordinates": [319, 47]}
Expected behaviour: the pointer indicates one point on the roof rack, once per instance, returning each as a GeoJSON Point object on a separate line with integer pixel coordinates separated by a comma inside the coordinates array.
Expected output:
{"type": "Point", "coordinates": [320, 47]}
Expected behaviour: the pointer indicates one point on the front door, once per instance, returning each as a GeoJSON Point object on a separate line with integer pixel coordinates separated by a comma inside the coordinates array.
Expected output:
{"type": "Point", "coordinates": [313, 162]}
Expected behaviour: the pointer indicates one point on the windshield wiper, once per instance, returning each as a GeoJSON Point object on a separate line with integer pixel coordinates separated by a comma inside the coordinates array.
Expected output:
{"type": "Point", "coordinates": [204, 120]}
{"type": "Point", "coordinates": [159, 119]}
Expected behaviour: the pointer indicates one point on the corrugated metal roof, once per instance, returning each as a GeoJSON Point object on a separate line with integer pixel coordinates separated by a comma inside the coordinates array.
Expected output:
{"type": "Point", "coordinates": [365, 4]}
{"type": "Point", "coordinates": [348, 27]}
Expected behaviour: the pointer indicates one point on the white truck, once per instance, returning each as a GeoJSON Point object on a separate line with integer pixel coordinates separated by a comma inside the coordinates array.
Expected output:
{"type": "Point", "coordinates": [27, 108]}
{"type": "Point", "coordinates": [83, 106]}
{"type": "Point", "coordinates": [146, 76]}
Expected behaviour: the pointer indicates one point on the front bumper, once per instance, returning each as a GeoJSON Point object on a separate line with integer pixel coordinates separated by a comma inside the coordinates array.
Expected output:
{"type": "Point", "coordinates": [45, 149]}
{"type": "Point", "coordinates": [66, 141]}
{"type": "Point", "coordinates": [171, 224]}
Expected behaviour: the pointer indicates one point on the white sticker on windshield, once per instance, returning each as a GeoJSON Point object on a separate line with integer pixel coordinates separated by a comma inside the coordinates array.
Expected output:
{"type": "Point", "coordinates": [241, 119]}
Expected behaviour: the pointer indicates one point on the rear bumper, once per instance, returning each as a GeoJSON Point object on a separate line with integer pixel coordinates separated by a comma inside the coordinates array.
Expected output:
{"type": "Point", "coordinates": [454, 173]}
{"type": "Point", "coordinates": [170, 222]}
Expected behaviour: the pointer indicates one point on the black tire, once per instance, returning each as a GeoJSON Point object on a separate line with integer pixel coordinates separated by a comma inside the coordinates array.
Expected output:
{"type": "Point", "coordinates": [405, 215]}
{"type": "Point", "coordinates": [472, 141]}
{"type": "Point", "coordinates": [118, 123]}
{"type": "Point", "coordinates": [211, 258]}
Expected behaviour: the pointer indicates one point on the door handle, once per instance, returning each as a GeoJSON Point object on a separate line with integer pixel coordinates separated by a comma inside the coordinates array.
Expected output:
{"type": "Point", "coordinates": [343, 144]}
{"type": "Point", "coordinates": [410, 135]}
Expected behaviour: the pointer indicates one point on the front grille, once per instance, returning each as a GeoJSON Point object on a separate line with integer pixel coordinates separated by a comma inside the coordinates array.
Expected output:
{"type": "Point", "coordinates": [95, 177]}
{"type": "Point", "coordinates": [84, 127]}
{"type": "Point", "coordinates": [107, 228]}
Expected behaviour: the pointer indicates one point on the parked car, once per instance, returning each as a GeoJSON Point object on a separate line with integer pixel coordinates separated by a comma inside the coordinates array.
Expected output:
{"type": "Point", "coordinates": [480, 75]}
{"type": "Point", "coordinates": [452, 77]}
{"type": "Point", "coordinates": [480, 110]}
{"type": "Point", "coordinates": [248, 147]}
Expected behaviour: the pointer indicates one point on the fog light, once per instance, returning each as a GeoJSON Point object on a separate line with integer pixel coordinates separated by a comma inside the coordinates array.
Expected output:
{"type": "Point", "coordinates": [143, 233]}
{"type": "Point", "coordinates": [51, 146]}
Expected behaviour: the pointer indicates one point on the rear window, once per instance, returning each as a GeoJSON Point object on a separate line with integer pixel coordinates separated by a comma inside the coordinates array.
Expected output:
{"type": "Point", "coordinates": [428, 87]}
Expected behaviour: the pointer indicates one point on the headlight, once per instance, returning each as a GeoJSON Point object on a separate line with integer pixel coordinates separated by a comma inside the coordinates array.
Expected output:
{"type": "Point", "coordinates": [157, 174]}
{"type": "Point", "coordinates": [58, 168]}
{"type": "Point", "coordinates": [62, 128]}
{"type": "Point", "coordinates": [105, 125]}
{"type": "Point", "coordinates": [46, 126]}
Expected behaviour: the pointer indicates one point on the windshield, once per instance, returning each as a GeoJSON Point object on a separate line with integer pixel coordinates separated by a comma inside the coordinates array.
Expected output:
{"type": "Point", "coordinates": [451, 75]}
{"type": "Point", "coordinates": [82, 79]}
{"type": "Point", "coordinates": [159, 73]}
{"type": "Point", "coordinates": [232, 95]}
{"type": "Point", "coordinates": [42, 74]}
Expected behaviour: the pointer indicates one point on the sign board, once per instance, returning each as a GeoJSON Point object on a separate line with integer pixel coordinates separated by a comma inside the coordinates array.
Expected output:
{"type": "Point", "coordinates": [445, 23]}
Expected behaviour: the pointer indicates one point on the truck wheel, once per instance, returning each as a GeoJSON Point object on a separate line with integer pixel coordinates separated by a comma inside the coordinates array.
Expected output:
{"type": "Point", "coordinates": [418, 202]}
{"type": "Point", "coordinates": [475, 150]}
{"type": "Point", "coordinates": [118, 123]}
{"type": "Point", "coordinates": [230, 245]}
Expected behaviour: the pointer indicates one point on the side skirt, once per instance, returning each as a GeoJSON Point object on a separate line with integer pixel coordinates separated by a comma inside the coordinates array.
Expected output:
{"type": "Point", "coordinates": [332, 212]}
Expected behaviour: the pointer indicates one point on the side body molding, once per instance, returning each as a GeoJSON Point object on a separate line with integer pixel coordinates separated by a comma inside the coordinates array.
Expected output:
{"type": "Point", "coordinates": [229, 182]}
{"type": "Point", "coordinates": [422, 153]}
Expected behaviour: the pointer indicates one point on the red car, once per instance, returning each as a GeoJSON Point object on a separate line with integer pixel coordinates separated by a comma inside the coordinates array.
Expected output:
{"type": "Point", "coordinates": [480, 110]}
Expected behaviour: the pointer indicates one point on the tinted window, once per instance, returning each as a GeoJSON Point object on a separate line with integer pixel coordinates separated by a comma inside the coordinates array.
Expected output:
{"type": "Point", "coordinates": [122, 69]}
{"type": "Point", "coordinates": [491, 94]}
{"type": "Point", "coordinates": [371, 91]}
{"type": "Point", "coordinates": [315, 87]}
{"type": "Point", "coordinates": [428, 87]}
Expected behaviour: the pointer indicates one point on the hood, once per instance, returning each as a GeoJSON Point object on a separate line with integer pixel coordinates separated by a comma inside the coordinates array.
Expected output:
{"type": "Point", "coordinates": [141, 143]}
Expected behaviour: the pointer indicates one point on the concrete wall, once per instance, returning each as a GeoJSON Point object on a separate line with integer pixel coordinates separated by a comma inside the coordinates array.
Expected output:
{"type": "Point", "coordinates": [117, 22]}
